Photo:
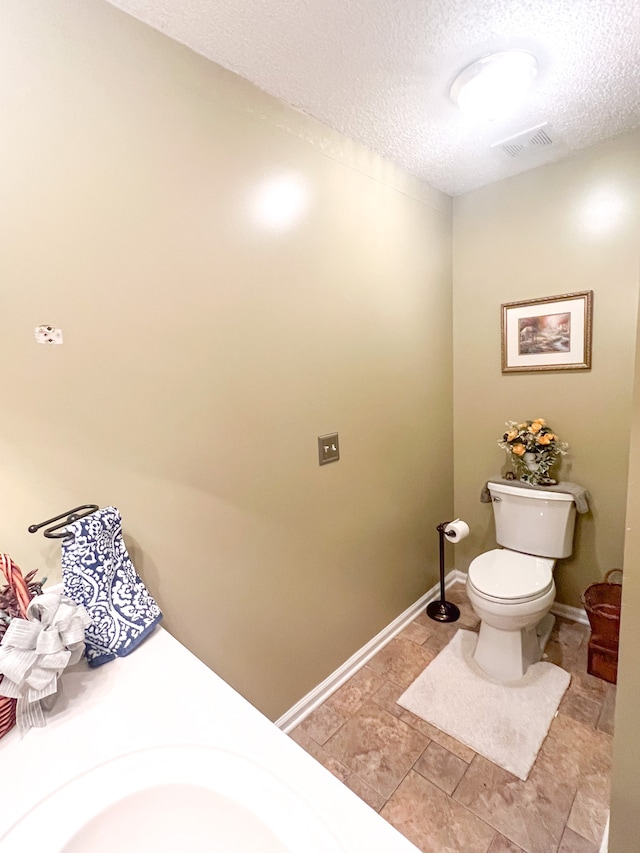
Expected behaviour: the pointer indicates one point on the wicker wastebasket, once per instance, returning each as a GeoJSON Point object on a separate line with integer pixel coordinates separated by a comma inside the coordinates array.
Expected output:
{"type": "Point", "coordinates": [602, 602]}
{"type": "Point", "coordinates": [19, 586]}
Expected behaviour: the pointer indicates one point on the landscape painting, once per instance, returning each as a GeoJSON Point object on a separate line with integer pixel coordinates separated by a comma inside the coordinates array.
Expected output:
{"type": "Point", "coordinates": [545, 333]}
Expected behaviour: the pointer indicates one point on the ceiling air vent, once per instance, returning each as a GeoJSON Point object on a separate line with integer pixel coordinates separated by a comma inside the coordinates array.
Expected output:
{"type": "Point", "coordinates": [541, 140]}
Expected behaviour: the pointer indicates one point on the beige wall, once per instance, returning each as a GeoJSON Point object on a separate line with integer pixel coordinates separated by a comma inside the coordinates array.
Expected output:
{"type": "Point", "coordinates": [541, 234]}
{"type": "Point", "coordinates": [205, 352]}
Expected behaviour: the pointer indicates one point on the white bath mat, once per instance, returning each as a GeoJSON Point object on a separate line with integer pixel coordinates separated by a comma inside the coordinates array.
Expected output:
{"type": "Point", "coordinates": [505, 723]}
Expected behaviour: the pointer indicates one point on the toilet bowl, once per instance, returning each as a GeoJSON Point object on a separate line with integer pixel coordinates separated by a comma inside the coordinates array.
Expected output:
{"type": "Point", "coordinates": [511, 593]}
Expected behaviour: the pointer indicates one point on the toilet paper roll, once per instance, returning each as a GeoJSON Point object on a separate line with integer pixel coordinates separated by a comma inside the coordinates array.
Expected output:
{"type": "Point", "coordinates": [456, 530]}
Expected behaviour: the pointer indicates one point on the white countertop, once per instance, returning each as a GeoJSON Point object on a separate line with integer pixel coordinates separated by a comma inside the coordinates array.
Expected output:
{"type": "Point", "coordinates": [162, 695]}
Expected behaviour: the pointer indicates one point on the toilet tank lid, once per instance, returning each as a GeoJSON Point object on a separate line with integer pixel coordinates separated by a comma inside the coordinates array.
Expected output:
{"type": "Point", "coordinates": [509, 574]}
{"type": "Point", "coordinates": [536, 494]}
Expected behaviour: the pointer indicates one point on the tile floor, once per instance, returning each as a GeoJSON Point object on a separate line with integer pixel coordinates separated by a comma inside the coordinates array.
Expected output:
{"type": "Point", "coordinates": [439, 793]}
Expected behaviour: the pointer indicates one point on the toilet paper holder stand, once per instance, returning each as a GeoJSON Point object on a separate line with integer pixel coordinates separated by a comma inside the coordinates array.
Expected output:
{"type": "Point", "coordinates": [442, 610]}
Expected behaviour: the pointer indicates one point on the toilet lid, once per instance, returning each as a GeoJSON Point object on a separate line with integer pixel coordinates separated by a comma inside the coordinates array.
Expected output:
{"type": "Point", "coordinates": [510, 575]}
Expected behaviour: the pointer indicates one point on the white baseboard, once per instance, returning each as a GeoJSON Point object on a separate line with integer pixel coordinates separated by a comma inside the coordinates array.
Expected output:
{"type": "Point", "coordinates": [295, 715]}
{"type": "Point", "coordinates": [576, 614]}
{"type": "Point", "coordinates": [605, 839]}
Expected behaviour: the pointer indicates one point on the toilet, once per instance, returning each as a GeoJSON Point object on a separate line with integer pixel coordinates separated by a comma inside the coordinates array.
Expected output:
{"type": "Point", "coordinates": [511, 588]}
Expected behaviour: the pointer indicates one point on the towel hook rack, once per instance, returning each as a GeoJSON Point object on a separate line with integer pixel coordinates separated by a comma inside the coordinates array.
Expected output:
{"type": "Point", "coordinates": [69, 516]}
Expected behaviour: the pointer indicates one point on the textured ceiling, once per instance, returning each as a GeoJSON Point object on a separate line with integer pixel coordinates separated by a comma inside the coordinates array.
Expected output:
{"type": "Point", "coordinates": [380, 70]}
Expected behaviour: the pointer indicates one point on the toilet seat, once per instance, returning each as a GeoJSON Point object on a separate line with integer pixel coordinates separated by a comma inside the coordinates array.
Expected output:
{"type": "Point", "coordinates": [507, 576]}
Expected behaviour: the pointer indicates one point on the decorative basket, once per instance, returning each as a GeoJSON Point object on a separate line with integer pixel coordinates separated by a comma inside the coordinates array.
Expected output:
{"type": "Point", "coordinates": [20, 588]}
{"type": "Point", "coordinates": [603, 602]}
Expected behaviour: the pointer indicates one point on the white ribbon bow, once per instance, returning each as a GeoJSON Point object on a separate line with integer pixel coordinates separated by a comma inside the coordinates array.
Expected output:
{"type": "Point", "coordinates": [34, 652]}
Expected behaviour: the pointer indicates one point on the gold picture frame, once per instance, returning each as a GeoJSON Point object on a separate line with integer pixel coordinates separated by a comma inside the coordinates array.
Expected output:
{"type": "Point", "coordinates": [550, 333]}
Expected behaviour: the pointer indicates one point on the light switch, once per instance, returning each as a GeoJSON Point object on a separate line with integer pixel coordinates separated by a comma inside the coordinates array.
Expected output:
{"type": "Point", "coordinates": [328, 448]}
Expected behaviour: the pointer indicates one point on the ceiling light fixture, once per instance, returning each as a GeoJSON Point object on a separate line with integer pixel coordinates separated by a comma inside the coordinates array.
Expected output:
{"type": "Point", "coordinates": [494, 85]}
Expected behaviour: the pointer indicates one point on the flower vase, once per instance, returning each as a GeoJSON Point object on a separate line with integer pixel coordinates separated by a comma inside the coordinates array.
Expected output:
{"type": "Point", "coordinates": [531, 472]}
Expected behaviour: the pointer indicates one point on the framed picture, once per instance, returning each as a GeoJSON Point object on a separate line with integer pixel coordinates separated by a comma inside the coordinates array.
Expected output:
{"type": "Point", "coordinates": [552, 333]}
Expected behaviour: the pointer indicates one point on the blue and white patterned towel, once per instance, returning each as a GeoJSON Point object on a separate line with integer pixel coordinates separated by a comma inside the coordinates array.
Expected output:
{"type": "Point", "coordinates": [97, 572]}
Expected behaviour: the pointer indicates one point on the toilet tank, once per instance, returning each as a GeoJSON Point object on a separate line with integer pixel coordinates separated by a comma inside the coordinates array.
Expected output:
{"type": "Point", "coordinates": [533, 521]}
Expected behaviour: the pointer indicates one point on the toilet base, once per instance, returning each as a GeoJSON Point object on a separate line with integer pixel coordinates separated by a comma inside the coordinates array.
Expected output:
{"type": "Point", "coordinates": [544, 629]}
{"type": "Point", "coordinates": [507, 655]}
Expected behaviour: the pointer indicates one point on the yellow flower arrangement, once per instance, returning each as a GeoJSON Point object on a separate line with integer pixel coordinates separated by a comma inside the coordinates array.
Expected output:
{"type": "Point", "coordinates": [532, 437]}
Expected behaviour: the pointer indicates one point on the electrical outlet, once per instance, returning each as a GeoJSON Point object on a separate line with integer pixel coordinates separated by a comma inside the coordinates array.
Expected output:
{"type": "Point", "coordinates": [328, 448]}
{"type": "Point", "coordinates": [48, 335]}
